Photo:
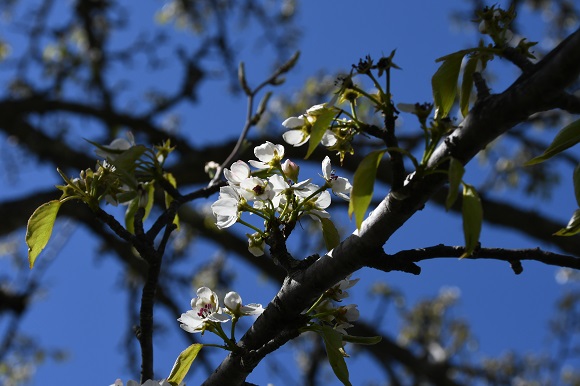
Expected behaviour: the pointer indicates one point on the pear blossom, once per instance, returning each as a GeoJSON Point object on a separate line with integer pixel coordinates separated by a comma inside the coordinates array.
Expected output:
{"type": "Point", "coordinates": [116, 147]}
{"type": "Point", "coordinates": [316, 207]}
{"type": "Point", "coordinates": [290, 170]}
{"type": "Point", "coordinates": [238, 172]}
{"type": "Point", "coordinates": [298, 132]}
{"type": "Point", "coordinates": [205, 310]}
{"type": "Point", "coordinates": [268, 154]}
{"type": "Point", "coordinates": [226, 208]}
{"type": "Point", "coordinates": [338, 291]}
{"type": "Point", "coordinates": [256, 244]}
{"type": "Point", "coordinates": [233, 303]}
{"type": "Point", "coordinates": [254, 188]}
{"type": "Point", "coordinates": [339, 185]}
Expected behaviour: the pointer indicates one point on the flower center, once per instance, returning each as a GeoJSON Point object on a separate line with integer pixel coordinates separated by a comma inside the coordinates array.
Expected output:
{"type": "Point", "coordinates": [205, 311]}
{"type": "Point", "coordinates": [258, 190]}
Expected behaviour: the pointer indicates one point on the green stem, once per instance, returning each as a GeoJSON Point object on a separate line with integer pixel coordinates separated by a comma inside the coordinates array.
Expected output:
{"type": "Point", "coordinates": [251, 227]}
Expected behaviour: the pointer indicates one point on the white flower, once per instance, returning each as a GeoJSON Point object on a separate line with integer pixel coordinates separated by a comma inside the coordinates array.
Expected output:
{"type": "Point", "coordinates": [238, 172]}
{"type": "Point", "coordinates": [233, 302]}
{"type": "Point", "coordinates": [281, 187]}
{"type": "Point", "coordinates": [254, 188]}
{"type": "Point", "coordinates": [116, 147]}
{"type": "Point", "coordinates": [340, 185]}
{"type": "Point", "coordinates": [299, 131]}
{"type": "Point", "coordinates": [328, 139]}
{"type": "Point", "coordinates": [338, 291]}
{"type": "Point", "coordinates": [256, 244]}
{"type": "Point", "coordinates": [347, 313]}
{"type": "Point", "coordinates": [226, 208]}
{"type": "Point", "coordinates": [205, 309]}
{"type": "Point", "coordinates": [316, 206]}
{"type": "Point", "coordinates": [268, 154]}
{"type": "Point", "coordinates": [291, 170]}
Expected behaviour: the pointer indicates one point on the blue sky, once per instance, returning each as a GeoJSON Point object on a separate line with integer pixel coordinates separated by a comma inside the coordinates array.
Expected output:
{"type": "Point", "coordinates": [84, 311]}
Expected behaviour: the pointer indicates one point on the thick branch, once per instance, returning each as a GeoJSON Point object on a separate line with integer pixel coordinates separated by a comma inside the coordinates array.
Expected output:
{"type": "Point", "coordinates": [489, 118]}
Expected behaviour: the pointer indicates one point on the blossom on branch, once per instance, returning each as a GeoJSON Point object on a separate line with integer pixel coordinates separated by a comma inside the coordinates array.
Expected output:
{"type": "Point", "coordinates": [205, 311]}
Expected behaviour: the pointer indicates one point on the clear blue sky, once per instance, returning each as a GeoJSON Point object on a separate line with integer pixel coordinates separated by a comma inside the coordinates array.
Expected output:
{"type": "Point", "coordinates": [84, 311]}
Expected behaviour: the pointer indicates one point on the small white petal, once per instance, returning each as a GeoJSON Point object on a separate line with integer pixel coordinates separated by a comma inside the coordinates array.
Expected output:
{"type": "Point", "coordinates": [295, 137]}
{"type": "Point", "coordinates": [293, 122]}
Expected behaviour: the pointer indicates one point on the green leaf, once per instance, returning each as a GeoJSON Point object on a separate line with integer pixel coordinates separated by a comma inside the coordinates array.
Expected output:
{"type": "Point", "coordinates": [444, 84]}
{"type": "Point", "coordinates": [323, 119]}
{"type": "Point", "coordinates": [363, 185]}
{"type": "Point", "coordinates": [329, 233]}
{"type": "Point", "coordinates": [333, 343]}
{"type": "Point", "coordinates": [183, 363]}
{"type": "Point", "coordinates": [365, 340]}
{"type": "Point", "coordinates": [130, 214]}
{"type": "Point", "coordinates": [576, 179]}
{"type": "Point", "coordinates": [168, 198]}
{"type": "Point", "coordinates": [467, 85]}
{"type": "Point", "coordinates": [567, 137]}
{"type": "Point", "coordinates": [150, 191]}
{"type": "Point", "coordinates": [456, 171]}
{"type": "Point", "coordinates": [127, 160]}
{"type": "Point", "coordinates": [472, 219]}
{"type": "Point", "coordinates": [573, 226]}
{"type": "Point", "coordinates": [39, 228]}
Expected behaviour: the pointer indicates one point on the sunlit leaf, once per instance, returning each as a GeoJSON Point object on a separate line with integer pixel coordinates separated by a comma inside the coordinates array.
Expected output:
{"type": "Point", "coordinates": [130, 214]}
{"type": "Point", "coordinates": [567, 137]}
{"type": "Point", "coordinates": [467, 85]}
{"type": "Point", "coordinates": [363, 186]}
{"type": "Point", "coordinates": [329, 233]}
{"type": "Point", "coordinates": [149, 190]}
{"type": "Point", "coordinates": [444, 84]}
{"type": "Point", "coordinates": [456, 171]}
{"type": "Point", "coordinates": [168, 199]}
{"type": "Point", "coordinates": [321, 124]}
{"type": "Point", "coordinates": [333, 343]}
{"type": "Point", "coordinates": [573, 226]}
{"type": "Point", "coordinates": [576, 179]}
{"type": "Point", "coordinates": [39, 228]}
{"type": "Point", "coordinates": [472, 219]}
{"type": "Point", "coordinates": [183, 363]}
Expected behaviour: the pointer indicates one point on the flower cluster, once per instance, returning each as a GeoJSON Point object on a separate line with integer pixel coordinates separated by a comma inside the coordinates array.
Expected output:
{"type": "Point", "coordinates": [207, 314]}
{"type": "Point", "coordinates": [338, 132]}
{"type": "Point", "coordinates": [328, 312]}
{"type": "Point", "coordinates": [274, 193]}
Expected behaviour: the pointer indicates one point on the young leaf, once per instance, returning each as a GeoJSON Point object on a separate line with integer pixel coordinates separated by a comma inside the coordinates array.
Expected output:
{"type": "Point", "coordinates": [456, 171]}
{"type": "Point", "coordinates": [150, 191]}
{"type": "Point", "coordinates": [472, 219]}
{"type": "Point", "coordinates": [333, 343]}
{"type": "Point", "coordinates": [322, 122]}
{"type": "Point", "coordinates": [168, 199]}
{"type": "Point", "coordinates": [567, 137]}
{"type": "Point", "coordinates": [363, 185]}
{"type": "Point", "coordinates": [467, 85]}
{"type": "Point", "coordinates": [130, 214]}
{"type": "Point", "coordinates": [329, 233]}
{"type": "Point", "coordinates": [183, 363]}
{"type": "Point", "coordinates": [444, 84]}
{"type": "Point", "coordinates": [576, 179]}
{"type": "Point", "coordinates": [573, 226]}
{"type": "Point", "coordinates": [365, 340]}
{"type": "Point", "coordinates": [39, 228]}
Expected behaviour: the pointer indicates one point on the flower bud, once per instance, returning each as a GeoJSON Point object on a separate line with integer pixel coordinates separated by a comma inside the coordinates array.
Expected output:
{"type": "Point", "coordinates": [291, 170]}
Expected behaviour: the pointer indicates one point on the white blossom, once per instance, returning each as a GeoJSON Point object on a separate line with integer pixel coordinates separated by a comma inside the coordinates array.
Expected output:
{"type": "Point", "coordinates": [339, 185]}
{"type": "Point", "coordinates": [233, 303]}
{"type": "Point", "coordinates": [238, 172]}
{"type": "Point", "coordinates": [226, 208]}
{"type": "Point", "coordinates": [268, 154]}
{"type": "Point", "coordinates": [205, 309]}
{"type": "Point", "coordinates": [254, 188]}
{"type": "Point", "coordinates": [116, 147]}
